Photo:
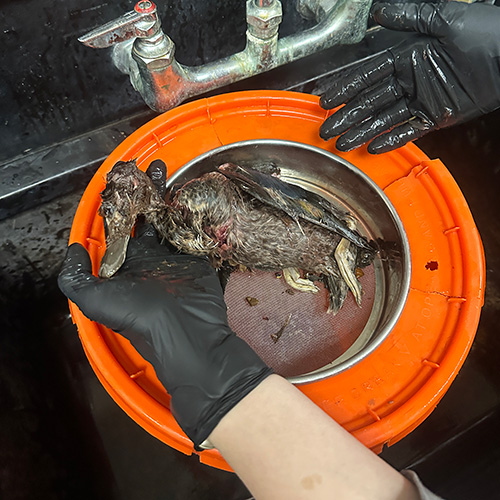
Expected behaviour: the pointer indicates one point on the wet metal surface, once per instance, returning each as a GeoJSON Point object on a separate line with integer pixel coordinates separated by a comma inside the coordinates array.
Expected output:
{"type": "Point", "coordinates": [164, 83]}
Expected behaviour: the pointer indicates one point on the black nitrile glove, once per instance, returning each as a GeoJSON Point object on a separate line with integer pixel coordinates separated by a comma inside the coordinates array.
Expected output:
{"type": "Point", "coordinates": [171, 308]}
{"type": "Point", "coordinates": [448, 74]}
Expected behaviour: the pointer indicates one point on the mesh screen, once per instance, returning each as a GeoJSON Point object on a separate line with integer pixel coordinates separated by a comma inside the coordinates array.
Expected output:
{"type": "Point", "coordinates": [309, 338]}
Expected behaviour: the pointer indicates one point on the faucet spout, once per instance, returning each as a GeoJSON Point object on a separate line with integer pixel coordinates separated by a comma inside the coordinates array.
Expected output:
{"type": "Point", "coordinates": [344, 24]}
{"type": "Point", "coordinates": [164, 83]}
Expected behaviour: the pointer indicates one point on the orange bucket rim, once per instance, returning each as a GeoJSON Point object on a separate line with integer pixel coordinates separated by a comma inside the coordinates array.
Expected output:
{"type": "Point", "coordinates": [387, 429]}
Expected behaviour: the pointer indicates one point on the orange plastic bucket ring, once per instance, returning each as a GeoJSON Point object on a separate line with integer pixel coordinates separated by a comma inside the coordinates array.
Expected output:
{"type": "Point", "coordinates": [389, 393]}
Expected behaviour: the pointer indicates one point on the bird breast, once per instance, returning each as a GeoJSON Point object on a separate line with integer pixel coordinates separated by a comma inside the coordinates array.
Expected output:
{"type": "Point", "coordinates": [212, 216]}
{"type": "Point", "coordinates": [266, 238]}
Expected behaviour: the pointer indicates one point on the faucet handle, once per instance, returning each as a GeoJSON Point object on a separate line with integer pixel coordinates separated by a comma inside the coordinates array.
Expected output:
{"type": "Point", "coordinates": [142, 22]}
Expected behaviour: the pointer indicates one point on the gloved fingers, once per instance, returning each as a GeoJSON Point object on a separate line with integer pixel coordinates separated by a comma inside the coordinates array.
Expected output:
{"type": "Point", "coordinates": [76, 272]}
{"type": "Point", "coordinates": [78, 283]}
{"type": "Point", "coordinates": [97, 298]}
{"type": "Point", "coordinates": [157, 172]}
{"type": "Point", "coordinates": [425, 18]}
{"type": "Point", "coordinates": [363, 76]}
{"type": "Point", "coordinates": [361, 107]}
{"type": "Point", "coordinates": [399, 136]}
{"type": "Point", "coordinates": [144, 230]}
{"type": "Point", "coordinates": [371, 128]}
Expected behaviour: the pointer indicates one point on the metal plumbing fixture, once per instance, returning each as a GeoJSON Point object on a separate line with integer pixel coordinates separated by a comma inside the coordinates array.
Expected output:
{"type": "Point", "coordinates": [146, 53]}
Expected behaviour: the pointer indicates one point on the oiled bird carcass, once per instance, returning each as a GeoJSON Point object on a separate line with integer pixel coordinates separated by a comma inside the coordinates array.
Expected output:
{"type": "Point", "coordinates": [241, 216]}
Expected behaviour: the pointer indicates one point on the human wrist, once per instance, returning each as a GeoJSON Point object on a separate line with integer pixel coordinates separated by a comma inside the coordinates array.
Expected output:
{"type": "Point", "coordinates": [235, 419]}
{"type": "Point", "coordinates": [227, 373]}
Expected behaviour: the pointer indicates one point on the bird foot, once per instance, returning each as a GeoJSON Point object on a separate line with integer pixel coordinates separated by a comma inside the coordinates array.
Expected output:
{"type": "Point", "coordinates": [345, 259]}
{"type": "Point", "coordinates": [292, 277]}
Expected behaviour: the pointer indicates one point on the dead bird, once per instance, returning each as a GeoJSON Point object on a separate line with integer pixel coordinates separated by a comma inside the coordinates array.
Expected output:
{"type": "Point", "coordinates": [240, 216]}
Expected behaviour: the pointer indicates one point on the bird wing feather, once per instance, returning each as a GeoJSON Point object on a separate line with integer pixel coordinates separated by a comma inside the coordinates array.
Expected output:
{"type": "Point", "coordinates": [294, 200]}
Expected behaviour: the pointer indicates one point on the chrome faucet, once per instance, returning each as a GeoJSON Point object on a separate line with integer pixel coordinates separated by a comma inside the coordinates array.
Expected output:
{"type": "Point", "coordinates": [143, 51]}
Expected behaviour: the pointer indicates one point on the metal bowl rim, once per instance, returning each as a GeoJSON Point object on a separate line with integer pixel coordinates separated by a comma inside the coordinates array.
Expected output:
{"type": "Point", "coordinates": [321, 374]}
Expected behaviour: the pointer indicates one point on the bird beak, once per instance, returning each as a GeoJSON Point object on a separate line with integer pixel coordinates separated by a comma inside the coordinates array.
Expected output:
{"type": "Point", "coordinates": [114, 257]}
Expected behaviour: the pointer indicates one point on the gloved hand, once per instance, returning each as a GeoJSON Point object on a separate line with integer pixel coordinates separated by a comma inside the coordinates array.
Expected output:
{"type": "Point", "coordinates": [447, 75]}
{"type": "Point", "coordinates": [171, 308]}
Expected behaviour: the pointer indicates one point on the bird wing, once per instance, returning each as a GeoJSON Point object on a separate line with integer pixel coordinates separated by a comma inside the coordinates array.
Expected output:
{"type": "Point", "coordinates": [294, 200]}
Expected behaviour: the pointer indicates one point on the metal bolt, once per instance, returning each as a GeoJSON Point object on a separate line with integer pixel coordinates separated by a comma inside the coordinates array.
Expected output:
{"type": "Point", "coordinates": [145, 7]}
{"type": "Point", "coordinates": [264, 18]}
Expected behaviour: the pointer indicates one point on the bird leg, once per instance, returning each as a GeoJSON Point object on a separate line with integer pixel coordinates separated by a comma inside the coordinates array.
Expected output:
{"type": "Point", "coordinates": [337, 291]}
{"type": "Point", "coordinates": [345, 256]}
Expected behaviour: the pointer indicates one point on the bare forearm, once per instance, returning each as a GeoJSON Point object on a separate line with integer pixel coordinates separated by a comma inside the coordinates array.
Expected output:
{"type": "Point", "coordinates": [283, 446]}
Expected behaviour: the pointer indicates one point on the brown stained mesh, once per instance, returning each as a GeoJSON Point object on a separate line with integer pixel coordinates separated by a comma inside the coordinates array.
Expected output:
{"type": "Point", "coordinates": [312, 338]}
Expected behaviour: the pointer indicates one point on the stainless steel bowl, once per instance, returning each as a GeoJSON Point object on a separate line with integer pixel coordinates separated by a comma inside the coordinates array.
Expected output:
{"type": "Point", "coordinates": [346, 186]}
